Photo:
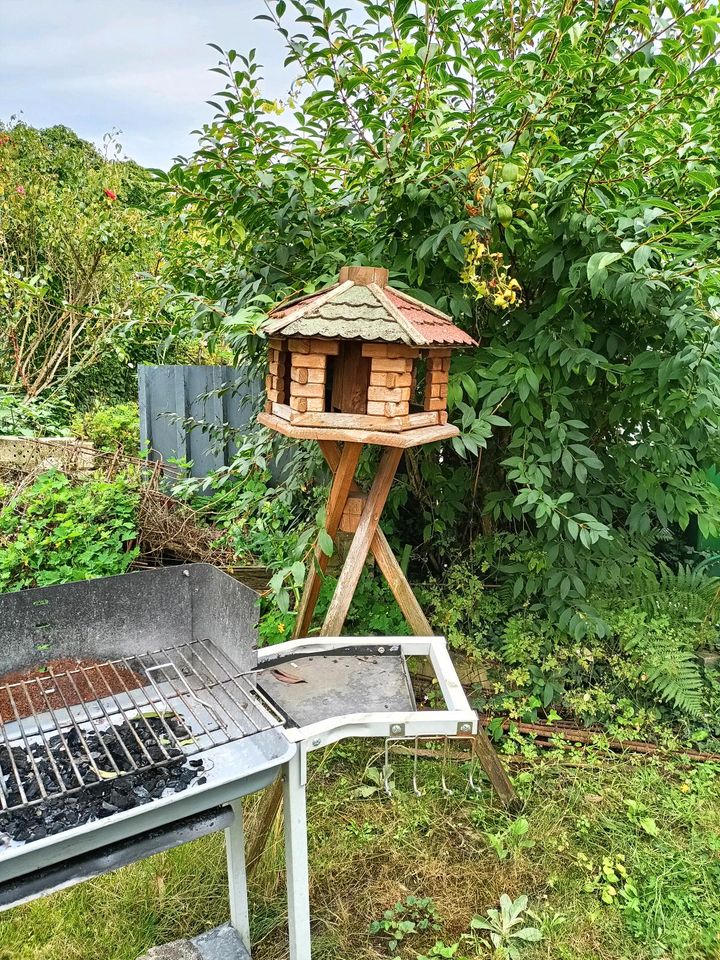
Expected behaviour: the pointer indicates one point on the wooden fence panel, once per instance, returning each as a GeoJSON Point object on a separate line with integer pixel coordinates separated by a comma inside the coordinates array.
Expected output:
{"type": "Point", "coordinates": [211, 397]}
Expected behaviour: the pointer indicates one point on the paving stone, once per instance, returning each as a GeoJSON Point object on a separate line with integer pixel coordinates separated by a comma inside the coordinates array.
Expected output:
{"type": "Point", "coordinates": [179, 950]}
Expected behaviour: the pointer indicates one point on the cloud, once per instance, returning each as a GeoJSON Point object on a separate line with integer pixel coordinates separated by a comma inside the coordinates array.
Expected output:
{"type": "Point", "coordinates": [141, 66]}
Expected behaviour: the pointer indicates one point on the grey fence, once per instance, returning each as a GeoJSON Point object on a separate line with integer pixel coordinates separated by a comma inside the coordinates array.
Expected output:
{"type": "Point", "coordinates": [195, 414]}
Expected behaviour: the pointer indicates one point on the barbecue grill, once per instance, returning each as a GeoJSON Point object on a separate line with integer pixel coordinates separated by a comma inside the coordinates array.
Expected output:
{"type": "Point", "coordinates": [155, 714]}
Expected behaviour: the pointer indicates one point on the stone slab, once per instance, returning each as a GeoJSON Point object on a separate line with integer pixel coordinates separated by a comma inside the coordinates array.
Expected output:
{"type": "Point", "coordinates": [43, 453]}
{"type": "Point", "coordinates": [179, 950]}
{"type": "Point", "coordinates": [222, 943]}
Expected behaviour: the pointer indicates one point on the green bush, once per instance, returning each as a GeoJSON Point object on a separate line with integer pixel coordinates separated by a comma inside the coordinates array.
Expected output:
{"type": "Point", "coordinates": [57, 531]}
{"type": "Point", "coordinates": [110, 427]}
{"type": "Point", "coordinates": [20, 417]}
{"type": "Point", "coordinates": [644, 669]}
{"type": "Point", "coordinates": [76, 230]}
{"type": "Point", "coordinates": [550, 178]}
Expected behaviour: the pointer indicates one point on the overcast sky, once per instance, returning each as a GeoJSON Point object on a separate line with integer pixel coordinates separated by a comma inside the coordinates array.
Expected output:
{"type": "Point", "coordinates": [140, 66]}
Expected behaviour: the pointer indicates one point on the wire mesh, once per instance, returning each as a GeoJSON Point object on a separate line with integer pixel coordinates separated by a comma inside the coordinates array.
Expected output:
{"type": "Point", "coordinates": [77, 727]}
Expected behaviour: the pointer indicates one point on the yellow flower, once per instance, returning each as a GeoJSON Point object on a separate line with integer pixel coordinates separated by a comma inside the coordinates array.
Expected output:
{"type": "Point", "coordinates": [281, 628]}
{"type": "Point", "coordinates": [685, 788]}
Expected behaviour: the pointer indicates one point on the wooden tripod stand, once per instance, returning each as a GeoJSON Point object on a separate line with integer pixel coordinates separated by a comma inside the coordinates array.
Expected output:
{"type": "Point", "coordinates": [367, 537]}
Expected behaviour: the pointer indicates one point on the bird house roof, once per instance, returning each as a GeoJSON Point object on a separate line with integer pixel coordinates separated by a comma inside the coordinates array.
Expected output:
{"type": "Point", "coordinates": [361, 306]}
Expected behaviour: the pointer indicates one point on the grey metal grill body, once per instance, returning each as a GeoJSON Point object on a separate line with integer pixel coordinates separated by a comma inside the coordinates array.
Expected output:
{"type": "Point", "coordinates": [247, 725]}
{"type": "Point", "coordinates": [131, 614]}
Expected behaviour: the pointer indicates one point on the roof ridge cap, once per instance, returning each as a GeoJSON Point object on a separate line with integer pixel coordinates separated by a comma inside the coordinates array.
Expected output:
{"type": "Point", "coordinates": [416, 337]}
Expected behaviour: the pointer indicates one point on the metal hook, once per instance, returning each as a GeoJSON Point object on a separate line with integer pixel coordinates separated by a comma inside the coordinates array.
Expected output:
{"type": "Point", "coordinates": [416, 789]}
{"type": "Point", "coordinates": [473, 761]}
{"type": "Point", "coordinates": [446, 747]}
{"type": "Point", "coordinates": [386, 769]}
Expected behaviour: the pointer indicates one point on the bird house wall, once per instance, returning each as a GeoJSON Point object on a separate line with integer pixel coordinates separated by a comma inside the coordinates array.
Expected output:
{"type": "Point", "coordinates": [391, 378]}
{"type": "Point", "coordinates": [437, 372]}
{"type": "Point", "coordinates": [276, 381]}
{"type": "Point", "coordinates": [307, 388]}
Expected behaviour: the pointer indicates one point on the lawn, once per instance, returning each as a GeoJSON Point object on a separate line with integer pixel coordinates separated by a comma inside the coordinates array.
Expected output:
{"type": "Point", "coordinates": [620, 861]}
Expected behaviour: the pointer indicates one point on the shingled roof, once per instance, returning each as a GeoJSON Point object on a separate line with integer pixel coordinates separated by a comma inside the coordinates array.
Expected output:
{"type": "Point", "coordinates": [361, 306]}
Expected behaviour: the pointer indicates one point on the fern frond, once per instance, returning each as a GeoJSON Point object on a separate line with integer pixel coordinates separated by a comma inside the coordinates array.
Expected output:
{"type": "Point", "coordinates": [668, 663]}
{"type": "Point", "coordinates": [687, 593]}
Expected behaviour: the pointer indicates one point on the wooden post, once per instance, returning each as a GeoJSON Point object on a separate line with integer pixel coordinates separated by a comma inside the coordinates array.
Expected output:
{"type": "Point", "coordinates": [269, 810]}
{"type": "Point", "coordinates": [342, 482]}
{"type": "Point", "coordinates": [360, 546]}
{"type": "Point", "coordinates": [496, 773]}
{"type": "Point", "coordinates": [401, 589]}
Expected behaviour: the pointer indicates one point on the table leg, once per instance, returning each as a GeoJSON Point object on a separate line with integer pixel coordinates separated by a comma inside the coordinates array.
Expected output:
{"type": "Point", "coordinates": [237, 877]}
{"type": "Point", "coordinates": [296, 860]}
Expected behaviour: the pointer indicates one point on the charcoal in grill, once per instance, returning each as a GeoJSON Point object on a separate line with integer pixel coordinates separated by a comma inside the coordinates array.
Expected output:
{"type": "Point", "coordinates": [98, 797]}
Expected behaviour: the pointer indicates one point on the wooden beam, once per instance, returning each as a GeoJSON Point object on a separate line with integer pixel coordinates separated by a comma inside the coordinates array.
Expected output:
{"type": "Point", "coordinates": [387, 561]}
{"type": "Point", "coordinates": [362, 421]}
{"type": "Point", "coordinates": [401, 589]}
{"type": "Point", "coordinates": [497, 775]}
{"type": "Point", "coordinates": [344, 472]}
{"type": "Point", "coordinates": [267, 815]}
{"type": "Point", "coordinates": [360, 546]}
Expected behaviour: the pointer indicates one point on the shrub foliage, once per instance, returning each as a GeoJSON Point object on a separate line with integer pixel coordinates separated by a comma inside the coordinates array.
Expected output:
{"type": "Point", "coordinates": [546, 173]}
{"type": "Point", "coordinates": [75, 230]}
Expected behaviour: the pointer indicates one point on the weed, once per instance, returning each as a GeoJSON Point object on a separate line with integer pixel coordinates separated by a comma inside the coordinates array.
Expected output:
{"type": "Point", "coordinates": [376, 779]}
{"type": "Point", "coordinates": [504, 927]}
{"type": "Point", "coordinates": [441, 951]}
{"type": "Point", "coordinates": [409, 916]}
{"type": "Point", "coordinates": [510, 842]}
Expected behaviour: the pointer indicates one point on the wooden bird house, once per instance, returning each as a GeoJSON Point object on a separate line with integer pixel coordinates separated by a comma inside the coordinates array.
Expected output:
{"type": "Point", "coordinates": [362, 362]}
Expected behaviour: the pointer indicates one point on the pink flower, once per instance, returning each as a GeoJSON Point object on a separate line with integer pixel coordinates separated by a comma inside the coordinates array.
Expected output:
{"type": "Point", "coordinates": [110, 194]}
{"type": "Point", "coordinates": [20, 189]}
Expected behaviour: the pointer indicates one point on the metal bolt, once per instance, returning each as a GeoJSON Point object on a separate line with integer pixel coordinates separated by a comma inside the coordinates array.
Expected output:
{"type": "Point", "coordinates": [396, 728]}
{"type": "Point", "coordinates": [316, 742]}
{"type": "Point", "coordinates": [465, 728]}
{"type": "Point", "coordinates": [381, 649]}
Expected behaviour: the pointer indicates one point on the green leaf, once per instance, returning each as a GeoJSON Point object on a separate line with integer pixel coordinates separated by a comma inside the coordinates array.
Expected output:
{"type": "Point", "coordinates": [599, 262]}
{"type": "Point", "coordinates": [298, 572]}
{"type": "Point", "coordinates": [325, 542]}
{"type": "Point", "coordinates": [649, 826]}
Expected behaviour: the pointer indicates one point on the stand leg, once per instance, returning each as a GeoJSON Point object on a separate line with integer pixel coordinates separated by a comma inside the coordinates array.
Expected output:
{"type": "Point", "coordinates": [386, 560]}
{"type": "Point", "coordinates": [401, 589]}
{"type": "Point", "coordinates": [344, 471]}
{"type": "Point", "coordinates": [296, 860]}
{"type": "Point", "coordinates": [237, 879]}
{"type": "Point", "coordinates": [495, 771]}
{"type": "Point", "coordinates": [350, 575]}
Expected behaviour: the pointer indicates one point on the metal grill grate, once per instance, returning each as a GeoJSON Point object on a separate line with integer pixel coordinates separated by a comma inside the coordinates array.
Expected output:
{"type": "Point", "coordinates": [189, 698]}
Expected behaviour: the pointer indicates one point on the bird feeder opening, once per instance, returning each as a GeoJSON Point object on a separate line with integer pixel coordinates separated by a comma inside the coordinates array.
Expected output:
{"type": "Point", "coordinates": [348, 380]}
